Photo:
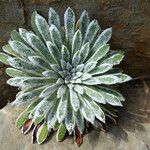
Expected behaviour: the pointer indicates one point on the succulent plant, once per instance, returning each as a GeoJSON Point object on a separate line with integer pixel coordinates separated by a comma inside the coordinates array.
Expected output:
{"type": "Point", "coordinates": [65, 72]}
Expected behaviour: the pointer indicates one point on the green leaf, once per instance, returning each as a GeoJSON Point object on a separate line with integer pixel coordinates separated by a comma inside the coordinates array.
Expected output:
{"type": "Point", "coordinates": [101, 69]}
{"type": "Point", "coordinates": [65, 53]}
{"type": "Point", "coordinates": [28, 96]}
{"type": "Point", "coordinates": [114, 59]}
{"type": "Point", "coordinates": [15, 36]}
{"type": "Point", "coordinates": [15, 73]}
{"type": "Point", "coordinates": [76, 42]}
{"type": "Point", "coordinates": [100, 53]}
{"type": "Point", "coordinates": [4, 58]}
{"type": "Point", "coordinates": [86, 76]}
{"type": "Point", "coordinates": [53, 18]}
{"type": "Point", "coordinates": [36, 43]}
{"type": "Point", "coordinates": [69, 24]}
{"type": "Point", "coordinates": [80, 67]}
{"type": "Point", "coordinates": [43, 27]}
{"type": "Point", "coordinates": [61, 91]}
{"type": "Point", "coordinates": [25, 66]}
{"type": "Point", "coordinates": [9, 50]}
{"type": "Point", "coordinates": [102, 39]}
{"type": "Point", "coordinates": [108, 79]}
{"type": "Point", "coordinates": [84, 22]}
{"type": "Point", "coordinates": [15, 81]}
{"type": "Point", "coordinates": [96, 109]}
{"type": "Point", "coordinates": [69, 119]}
{"type": "Point", "coordinates": [49, 90]}
{"type": "Point", "coordinates": [62, 108]}
{"type": "Point", "coordinates": [91, 31]}
{"type": "Point", "coordinates": [37, 60]}
{"type": "Point", "coordinates": [33, 24]}
{"type": "Point", "coordinates": [94, 94]}
{"type": "Point", "coordinates": [23, 117]}
{"type": "Point", "coordinates": [51, 73]}
{"type": "Point", "coordinates": [36, 81]}
{"type": "Point", "coordinates": [80, 121]}
{"type": "Point", "coordinates": [86, 111]}
{"type": "Point", "coordinates": [89, 66]}
{"type": "Point", "coordinates": [55, 36]}
{"type": "Point", "coordinates": [42, 133]}
{"type": "Point", "coordinates": [61, 132]}
{"type": "Point", "coordinates": [74, 100]}
{"type": "Point", "coordinates": [54, 51]}
{"type": "Point", "coordinates": [21, 49]}
{"type": "Point", "coordinates": [78, 89]}
{"type": "Point", "coordinates": [52, 115]}
{"type": "Point", "coordinates": [84, 52]}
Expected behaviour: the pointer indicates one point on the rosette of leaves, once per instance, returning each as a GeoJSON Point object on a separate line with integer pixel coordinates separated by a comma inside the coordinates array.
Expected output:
{"type": "Point", "coordinates": [65, 73]}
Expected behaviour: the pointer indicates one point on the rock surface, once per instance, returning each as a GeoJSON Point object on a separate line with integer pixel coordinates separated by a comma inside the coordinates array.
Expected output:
{"type": "Point", "coordinates": [131, 133]}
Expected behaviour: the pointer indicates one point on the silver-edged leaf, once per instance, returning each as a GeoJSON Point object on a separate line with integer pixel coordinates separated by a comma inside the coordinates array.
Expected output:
{"type": "Point", "coordinates": [84, 22]}
{"type": "Point", "coordinates": [42, 27]}
{"type": "Point", "coordinates": [61, 132]}
{"type": "Point", "coordinates": [69, 24]}
{"type": "Point", "coordinates": [76, 42]}
{"type": "Point", "coordinates": [94, 94]}
{"type": "Point", "coordinates": [91, 31]}
{"type": "Point", "coordinates": [102, 39]}
{"type": "Point", "coordinates": [53, 18]}
{"type": "Point", "coordinates": [55, 36]}
{"type": "Point", "coordinates": [100, 53]}
{"type": "Point", "coordinates": [62, 107]}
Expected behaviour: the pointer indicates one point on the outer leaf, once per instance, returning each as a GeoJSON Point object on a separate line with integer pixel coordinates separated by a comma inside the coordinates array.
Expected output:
{"type": "Point", "coordinates": [87, 111]}
{"type": "Point", "coordinates": [69, 24]}
{"type": "Point", "coordinates": [114, 59]}
{"type": "Point", "coordinates": [25, 66]}
{"type": "Point", "coordinates": [9, 50]}
{"type": "Point", "coordinates": [101, 69]}
{"type": "Point", "coordinates": [33, 24]}
{"type": "Point", "coordinates": [96, 109]}
{"type": "Point", "coordinates": [56, 37]}
{"type": "Point", "coordinates": [15, 36]}
{"type": "Point", "coordinates": [102, 39]}
{"type": "Point", "coordinates": [80, 121]}
{"type": "Point", "coordinates": [91, 31]}
{"type": "Point", "coordinates": [84, 22]}
{"type": "Point", "coordinates": [94, 94]}
{"type": "Point", "coordinates": [70, 120]}
{"type": "Point", "coordinates": [62, 108]}
{"type": "Point", "coordinates": [16, 73]}
{"type": "Point", "coordinates": [101, 52]}
{"type": "Point", "coordinates": [21, 49]}
{"type": "Point", "coordinates": [4, 58]}
{"type": "Point", "coordinates": [53, 18]}
{"type": "Point", "coordinates": [43, 27]}
{"type": "Point", "coordinates": [42, 133]}
{"type": "Point", "coordinates": [61, 132]}
{"type": "Point", "coordinates": [38, 46]}
{"type": "Point", "coordinates": [108, 79]}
